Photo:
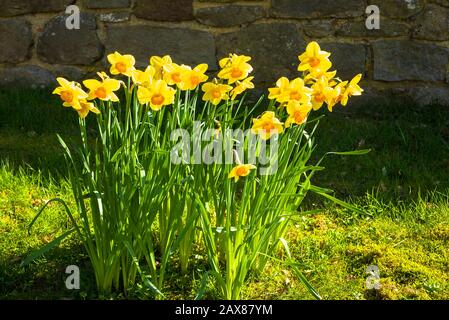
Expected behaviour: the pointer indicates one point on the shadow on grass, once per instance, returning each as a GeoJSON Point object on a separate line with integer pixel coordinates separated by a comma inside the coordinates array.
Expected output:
{"type": "Point", "coordinates": [45, 278]}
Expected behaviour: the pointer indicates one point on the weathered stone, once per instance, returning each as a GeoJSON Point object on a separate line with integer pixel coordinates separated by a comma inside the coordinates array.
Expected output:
{"type": "Point", "coordinates": [229, 15]}
{"type": "Point", "coordinates": [433, 94]}
{"type": "Point", "coordinates": [16, 7]}
{"type": "Point", "coordinates": [398, 8]}
{"type": "Point", "coordinates": [110, 4]}
{"type": "Point", "coordinates": [114, 17]}
{"type": "Point", "coordinates": [274, 48]}
{"type": "Point", "coordinates": [163, 10]}
{"type": "Point", "coordinates": [317, 9]}
{"type": "Point", "coordinates": [396, 60]}
{"type": "Point", "coordinates": [321, 28]}
{"type": "Point", "coordinates": [69, 72]}
{"type": "Point", "coordinates": [348, 59]}
{"type": "Point", "coordinates": [59, 45]}
{"type": "Point", "coordinates": [432, 24]}
{"type": "Point", "coordinates": [26, 77]}
{"type": "Point", "coordinates": [444, 3]}
{"type": "Point", "coordinates": [184, 45]}
{"type": "Point", "coordinates": [16, 39]}
{"type": "Point", "coordinates": [388, 28]}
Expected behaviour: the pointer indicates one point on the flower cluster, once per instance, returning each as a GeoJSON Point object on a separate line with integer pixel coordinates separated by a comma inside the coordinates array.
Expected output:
{"type": "Point", "coordinates": [300, 96]}
{"type": "Point", "coordinates": [158, 83]}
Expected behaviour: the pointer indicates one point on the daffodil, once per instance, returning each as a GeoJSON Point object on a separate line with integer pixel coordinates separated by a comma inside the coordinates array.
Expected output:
{"type": "Point", "coordinates": [353, 89]}
{"type": "Point", "coordinates": [322, 92]}
{"type": "Point", "coordinates": [87, 107]}
{"type": "Point", "coordinates": [158, 94]}
{"type": "Point", "coordinates": [158, 64]}
{"type": "Point", "coordinates": [279, 92]}
{"type": "Point", "coordinates": [267, 125]}
{"type": "Point", "coordinates": [241, 170]}
{"type": "Point", "coordinates": [173, 73]}
{"type": "Point", "coordinates": [70, 93]}
{"type": "Point", "coordinates": [314, 58]}
{"type": "Point", "coordinates": [103, 90]}
{"type": "Point", "coordinates": [297, 113]}
{"type": "Point", "coordinates": [144, 78]}
{"type": "Point", "coordinates": [317, 74]}
{"type": "Point", "coordinates": [241, 87]}
{"type": "Point", "coordinates": [234, 68]}
{"type": "Point", "coordinates": [286, 90]}
{"type": "Point", "coordinates": [334, 96]}
{"type": "Point", "coordinates": [190, 79]}
{"type": "Point", "coordinates": [215, 92]}
{"type": "Point", "coordinates": [121, 64]}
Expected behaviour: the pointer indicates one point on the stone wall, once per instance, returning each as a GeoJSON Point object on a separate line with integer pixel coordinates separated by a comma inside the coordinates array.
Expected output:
{"type": "Point", "coordinates": [407, 56]}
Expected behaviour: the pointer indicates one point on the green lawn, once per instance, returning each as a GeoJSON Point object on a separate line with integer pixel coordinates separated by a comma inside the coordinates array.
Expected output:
{"type": "Point", "coordinates": [402, 185]}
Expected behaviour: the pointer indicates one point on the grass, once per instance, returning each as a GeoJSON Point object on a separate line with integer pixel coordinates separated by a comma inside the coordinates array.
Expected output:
{"type": "Point", "coordinates": [403, 186]}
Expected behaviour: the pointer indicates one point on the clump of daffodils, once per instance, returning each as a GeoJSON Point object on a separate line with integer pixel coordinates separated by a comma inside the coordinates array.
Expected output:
{"type": "Point", "coordinates": [158, 84]}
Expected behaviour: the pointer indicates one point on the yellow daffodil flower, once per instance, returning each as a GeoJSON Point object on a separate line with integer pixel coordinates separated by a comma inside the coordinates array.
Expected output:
{"type": "Point", "coordinates": [144, 78]}
{"type": "Point", "coordinates": [353, 89]}
{"type": "Point", "coordinates": [286, 90]}
{"type": "Point", "coordinates": [234, 68]}
{"type": "Point", "coordinates": [279, 92]}
{"type": "Point", "coordinates": [103, 90]}
{"type": "Point", "coordinates": [121, 64]}
{"type": "Point", "coordinates": [215, 93]}
{"type": "Point", "coordinates": [87, 107]}
{"type": "Point", "coordinates": [322, 92]}
{"type": "Point", "coordinates": [158, 63]}
{"type": "Point", "coordinates": [315, 75]}
{"type": "Point", "coordinates": [190, 79]}
{"type": "Point", "coordinates": [297, 113]}
{"type": "Point", "coordinates": [173, 73]}
{"type": "Point", "coordinates": [158, 94]}
{"type": "Point", "coordinates": [241, 87]}
{"type": "Point", "coordinates": [241, 170]}
{"type": "Point", "coordinates": [267, 125]}
{"type": "Point", "coordinates": [314, 58]}
{"type": "Point", "coordinates": [334, 96]}
{"type": "Point", "coordinates": [70, 93]}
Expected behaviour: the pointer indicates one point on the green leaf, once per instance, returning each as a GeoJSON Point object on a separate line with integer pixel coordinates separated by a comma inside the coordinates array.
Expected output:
{"type": "Point", "coordinates": [303, 279]}
{"type": "Point", "coordinates": [351, 153]}
{"type": "Point", "coordinates": [202, 288]}
{"type": "Point", "coordinates": [36, 254]}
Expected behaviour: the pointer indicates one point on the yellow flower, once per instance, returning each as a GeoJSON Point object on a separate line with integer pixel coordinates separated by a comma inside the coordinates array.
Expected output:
{"type": "Point", "coordinates": [190, 79]}
{"type": "Point", "coordinates": [314, 58]}
{"type": "Point", "coordinates": [279, 92]}
{"type": "Point", "coordinates": [286, 90]}
{"type": "Point", "coordinates": [158, 64]}
{"type": "Point", "coordinates": [241, 170]}
{"type": "Point", "coordinates": [317, 74]}
{"type": "Point", "coordinates": [297, 113]}
{"type": "Point", "coordinates": [353, 89]}
{"type": "Point", "coordinates": [87, 107]}
{"type": "Point", "coordinates": [70, 92]}
{"type": "Point", "coordinates": [235, 68]}
{"type": "Point", "coordinates": [103, 90]}
{"type": "Point", "coordinates": [267, 125]}
{"type": "Point", "coordinates": [144, 78]}
{"type": "Point", "coordinates": [322, 92]}
{"type": "Point", "coordinates": [241, 87]}
{"type": "Point", "coordinates": [214, 92]}
{"type": "Point", "coordinates": [121, 64]}
{"type": "Point", "coordinates": [173, 73]}
{"type": "Point", "coordinates": [158, 94]}
{"type": "Point", "coordinates": [334, 96]}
